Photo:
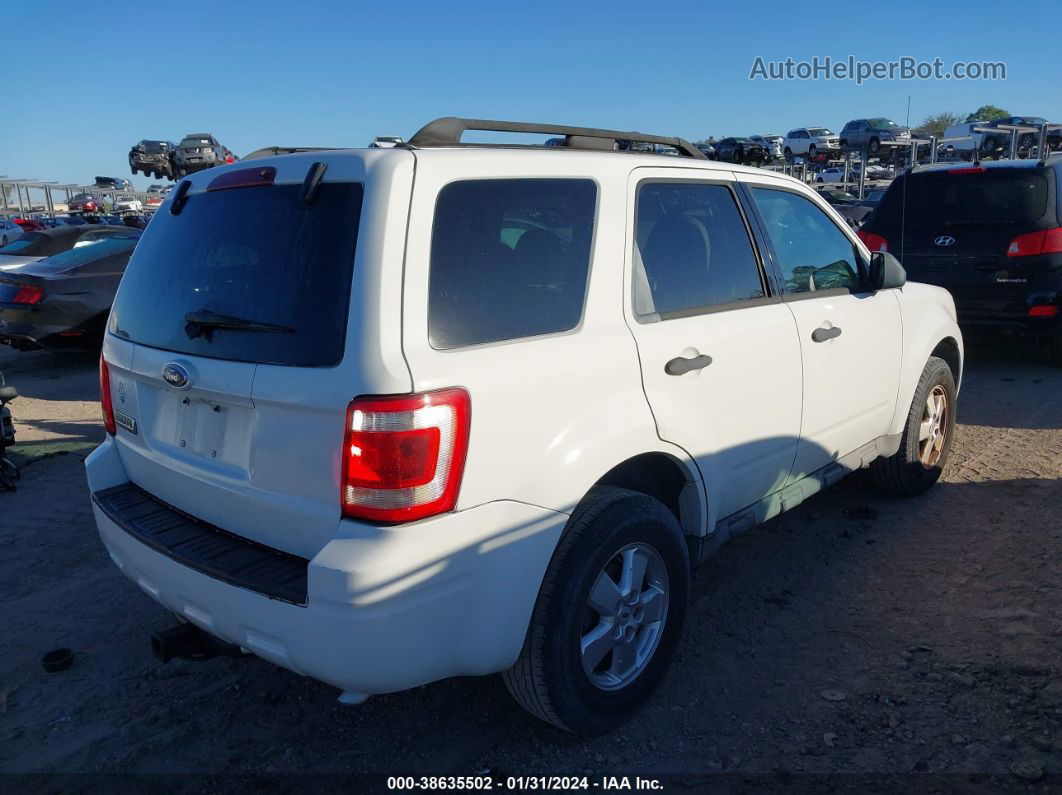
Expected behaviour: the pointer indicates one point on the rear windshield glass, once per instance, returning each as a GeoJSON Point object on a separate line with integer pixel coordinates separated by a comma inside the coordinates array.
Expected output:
{"type": "Point", "coordinates": [27, 245]}
{"type": "Point", "coordinates": [996, 196]}
{"type": "Point", "coordinates": [509, 259]}
{"type": "Point", "coordinates": [256, 254]}
{"type": "Point", "coordinates": [84, 254]}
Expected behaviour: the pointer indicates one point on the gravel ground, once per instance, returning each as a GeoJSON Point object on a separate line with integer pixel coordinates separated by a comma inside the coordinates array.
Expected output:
{"type": "Point", "coordinates": [859, 635]}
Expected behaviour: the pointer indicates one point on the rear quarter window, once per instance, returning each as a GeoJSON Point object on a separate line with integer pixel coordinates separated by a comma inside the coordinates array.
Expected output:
{"type": "Point", "coordinates": [509, 259]}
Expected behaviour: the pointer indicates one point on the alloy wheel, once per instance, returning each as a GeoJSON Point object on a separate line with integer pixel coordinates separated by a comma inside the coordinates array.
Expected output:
{"type": "Point", "coordinates": [624, 617]}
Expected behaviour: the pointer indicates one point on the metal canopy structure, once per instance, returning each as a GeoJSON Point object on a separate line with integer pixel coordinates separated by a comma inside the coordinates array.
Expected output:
{"type": "Point", "coordinates": [51, 192]}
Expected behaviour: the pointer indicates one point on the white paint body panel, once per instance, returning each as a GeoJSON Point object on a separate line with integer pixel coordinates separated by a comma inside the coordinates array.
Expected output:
{"type": "Point", "coordinates": [394, 607]}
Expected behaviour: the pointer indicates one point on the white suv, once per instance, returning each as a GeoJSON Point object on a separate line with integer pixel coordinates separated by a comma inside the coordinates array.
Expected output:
{"type": "Point", "coordinates": [385, 416]}
{"type": "Point", "coordinates": [809, 142]}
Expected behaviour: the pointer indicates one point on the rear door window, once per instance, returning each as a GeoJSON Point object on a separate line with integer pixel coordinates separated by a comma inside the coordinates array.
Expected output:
{"type": "Point", "coordinates": [509, 259]}
{"type": "Point", "coordinates": [693, 251]}
{"type": "Point", "coordinates": [257, 254]}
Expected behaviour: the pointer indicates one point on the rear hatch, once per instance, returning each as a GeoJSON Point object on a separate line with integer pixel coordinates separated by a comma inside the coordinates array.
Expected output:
{"type": "Point", "coordinates": [229, 348]}
{"type": "Point", "coordinates": [954, 228]}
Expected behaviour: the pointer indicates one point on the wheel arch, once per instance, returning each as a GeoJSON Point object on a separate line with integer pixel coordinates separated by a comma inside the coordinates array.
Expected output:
{"type": "Point", "coordinates": [666, 478]}
{"type": "Point", "coordinates": [948, 349]}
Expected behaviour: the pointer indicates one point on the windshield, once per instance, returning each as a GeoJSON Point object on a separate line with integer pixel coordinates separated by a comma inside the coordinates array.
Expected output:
{"type": "Point", "coordinates": [152, 147]}
{"type": "Point", "coordinates": [195, 142]}
{"type": "Point", "coordinates": [253, 253]}
{"type": "Point", "coordinates": [883, 124]}
{"type": "Point", "coordinates": [941, 200]}
{"type": "Point", "coordinates": [817, 131]}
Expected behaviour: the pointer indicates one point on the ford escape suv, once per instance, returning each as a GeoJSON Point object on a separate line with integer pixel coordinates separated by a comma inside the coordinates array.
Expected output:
{"type": "Point", "coordinates": [991, 233]}
{"type": "Point", "coordinates": [390, 415]}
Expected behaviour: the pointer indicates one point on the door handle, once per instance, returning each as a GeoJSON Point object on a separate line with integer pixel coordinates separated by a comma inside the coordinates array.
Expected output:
{"type": "Point", "coordinates": [822, 333]}
{"type": "Point", "coordinates": [680, 365]}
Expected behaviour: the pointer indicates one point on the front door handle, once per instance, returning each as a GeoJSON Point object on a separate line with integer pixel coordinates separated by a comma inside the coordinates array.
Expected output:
{"type": "Point", "coordinates": [681, 365]}
{"type": "Point", "coordinates": [823, 333]}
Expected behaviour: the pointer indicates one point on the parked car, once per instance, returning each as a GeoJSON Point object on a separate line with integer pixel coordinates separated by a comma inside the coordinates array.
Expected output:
{"type": "Point", "coordinates": [998, 144]}
{"type": "Point", "coordinates": [534, 456]}
{"type": "Point", "coordinates": [27, 225]}
{"type": "Point", "coordinates": [196, 152]}
{"type": "Point", "coordinates": [868, 134]}
{"type": "Point", "coordinates": [811, 142]}
{"type": "Point", "coordinates": [84, 203]}
{"type": "Point", "coordinates": [772, 143]}
{"type": "Point", "coordinates": [113, 183]}
{"type": "Point", "coordinates": [9, 230]}
{"type": "Point", "coordinates": [64, 220]}
{"type": "Point", "coordinates": [61, 303]}
{"type": "Point", "coordinates": [741, 150]}
{"type": "Point", "coordinates": [708, 150]}
{"type": "Point", "coordinates": [991, 234]}
{"type": "Point", "coordinates": [153, 158]}
{"type": "Point", "coordinates": [847, 205]}
{"type": "Point", "coordinates": [128, 204]}
{"type": "Point", "coordinates": [873, 198]}
{"type": "Point", "coordinates": [34, 246]}
{"type": "Point", "coordinates": [836, 173]}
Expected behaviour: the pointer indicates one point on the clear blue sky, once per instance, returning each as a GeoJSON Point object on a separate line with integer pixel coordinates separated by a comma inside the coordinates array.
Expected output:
{"type": "Point", "coordinates": [92, 79]}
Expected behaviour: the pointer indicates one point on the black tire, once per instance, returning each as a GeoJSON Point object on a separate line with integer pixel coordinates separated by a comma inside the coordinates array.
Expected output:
{"type": "Point", "coordinates": [874, 145]}
{"type": "Point", "coordinates": [3, 241]}
{"type": "Point", "coordinates": [788, 154]}
{"type": "Point", "coordinates": [548, 679]}
{"type": "Point", "coordinates": [904, 473]}
{"type": "Point", "coordinates": [811, 151]}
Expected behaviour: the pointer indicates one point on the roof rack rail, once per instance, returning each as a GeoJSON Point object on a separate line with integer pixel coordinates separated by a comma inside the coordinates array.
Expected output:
{"type": "Point", "coordinates": [448, 130]}
{"type": "Point", "coordinates": [270, 151]}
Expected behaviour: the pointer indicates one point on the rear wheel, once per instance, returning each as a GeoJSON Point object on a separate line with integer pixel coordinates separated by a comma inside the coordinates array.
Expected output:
{"type": "Point", "coordinates": [3, 240]}
{"type": "Point", "coordinates": [927, 437]}
{"type": "Point", "coordinates": [608, 616]}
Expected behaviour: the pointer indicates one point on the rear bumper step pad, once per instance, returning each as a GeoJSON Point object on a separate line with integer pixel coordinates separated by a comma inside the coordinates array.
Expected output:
{"type": "Point", "coordinates": [204, 547]}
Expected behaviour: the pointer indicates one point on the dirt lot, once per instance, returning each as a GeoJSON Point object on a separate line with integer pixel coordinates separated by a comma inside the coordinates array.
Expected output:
{"type": "Point", "coordinates": [858, 634]}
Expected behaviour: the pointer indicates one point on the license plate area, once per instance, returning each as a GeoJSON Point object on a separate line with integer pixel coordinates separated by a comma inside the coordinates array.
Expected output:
{"type": "Point", "coordinates": [201, 429]}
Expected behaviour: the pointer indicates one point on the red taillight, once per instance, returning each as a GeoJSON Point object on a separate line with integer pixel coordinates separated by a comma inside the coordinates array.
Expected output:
{"type": "Point", "coordinates": [873, 242]}
{"type": "Point", "coordinates": [28, 295]}
{"type": "Point", "coordinates": [1043, 310]}
{"type": "Point", "coordinates": [404, 455]}
{"type": "Point", "coordinates": [968, 170]}
{"type": "Point", "coordinates": [105, 398]}
{"type": "Point", "coordinates": [1046, 241]}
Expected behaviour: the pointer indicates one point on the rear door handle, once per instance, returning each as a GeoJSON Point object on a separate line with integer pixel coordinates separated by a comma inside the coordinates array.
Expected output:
{"type": "Point", "coordinates": [823, 333]}
{"type": "Point", "coordinates": [680, 365]}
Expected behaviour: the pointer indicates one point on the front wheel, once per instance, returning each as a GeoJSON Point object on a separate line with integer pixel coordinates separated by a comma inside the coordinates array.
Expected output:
{"type": "Point", "coordinates": [927, 437]}
{"type": "Point", "coordinates": [608, 616]}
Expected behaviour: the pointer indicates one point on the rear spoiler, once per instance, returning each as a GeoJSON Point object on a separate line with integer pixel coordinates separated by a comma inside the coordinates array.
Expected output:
{"type": "Point", "coordinates": [272, 151]}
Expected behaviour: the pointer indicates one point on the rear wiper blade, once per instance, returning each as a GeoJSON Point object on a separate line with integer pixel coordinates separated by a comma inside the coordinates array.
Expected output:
{"type": "Point", "coordinates": [205, 320]}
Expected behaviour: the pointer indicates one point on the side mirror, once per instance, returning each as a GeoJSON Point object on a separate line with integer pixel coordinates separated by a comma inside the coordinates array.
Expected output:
{"type": "Point", "coordinates": [886, 272]}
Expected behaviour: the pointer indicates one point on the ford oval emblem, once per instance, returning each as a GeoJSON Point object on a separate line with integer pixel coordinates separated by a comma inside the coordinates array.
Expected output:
{"type": "Point", "coordinates": [945, 240]}
{"type": "Point", "coordinates": [175, 375]}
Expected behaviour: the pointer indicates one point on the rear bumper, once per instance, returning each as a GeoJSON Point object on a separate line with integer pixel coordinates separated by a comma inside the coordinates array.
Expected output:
{"type": "Point", "coordinates": [386, 608]}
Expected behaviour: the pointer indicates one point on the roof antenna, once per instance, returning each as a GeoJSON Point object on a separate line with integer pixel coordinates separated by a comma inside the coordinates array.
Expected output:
{"type": "Point", "coordinates": [903, 195]}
